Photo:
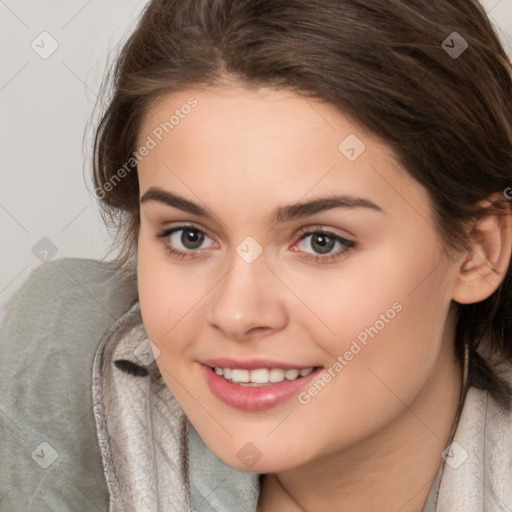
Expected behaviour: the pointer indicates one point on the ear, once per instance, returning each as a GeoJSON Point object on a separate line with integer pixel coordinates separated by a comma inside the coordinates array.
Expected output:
{"type": "Point", "coordinates": [488, 255]}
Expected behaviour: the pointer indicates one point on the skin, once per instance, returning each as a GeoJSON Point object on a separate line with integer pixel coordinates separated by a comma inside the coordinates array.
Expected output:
{"type": "Point", "coordinates": [373, 438]}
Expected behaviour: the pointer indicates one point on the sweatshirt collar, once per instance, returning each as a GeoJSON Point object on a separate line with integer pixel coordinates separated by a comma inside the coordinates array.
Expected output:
{"type": "Point", "coordinates": [154, 459]}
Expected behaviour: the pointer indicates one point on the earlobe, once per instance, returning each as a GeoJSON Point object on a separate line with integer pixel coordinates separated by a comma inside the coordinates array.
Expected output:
{"type": "Point", "coordinates": [487, 258]}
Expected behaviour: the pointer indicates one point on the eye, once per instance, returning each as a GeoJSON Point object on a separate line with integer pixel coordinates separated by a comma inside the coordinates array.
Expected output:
{"type": "Point", "coordinates": [183, 241]}
{"type": "Point", "coordinates": [322, 245]}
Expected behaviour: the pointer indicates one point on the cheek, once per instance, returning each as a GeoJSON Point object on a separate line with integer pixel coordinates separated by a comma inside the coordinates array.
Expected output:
{"type": "Point", "coordinates": [172, 303]}
{"type": "Point", "coordinates": [385, 318]}
{"type": "Point", "coordinates": [347, 301]}
{"type": "Point", "coordinates": [163, 297]}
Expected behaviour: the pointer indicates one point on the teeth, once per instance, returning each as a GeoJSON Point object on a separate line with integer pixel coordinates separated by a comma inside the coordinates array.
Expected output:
{"type": "Point", "coordinates": [240, 375]}
{"type": "Point", "coordinates": [260, 375]}
{"type": "Point", "coordinates": [276, 375]}
{"type": "Point", "coordinates": [291, 374]}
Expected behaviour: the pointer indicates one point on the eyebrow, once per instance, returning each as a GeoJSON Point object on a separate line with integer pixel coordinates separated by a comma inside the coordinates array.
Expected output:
{"type": "Point", "coordinates": [278, 215]}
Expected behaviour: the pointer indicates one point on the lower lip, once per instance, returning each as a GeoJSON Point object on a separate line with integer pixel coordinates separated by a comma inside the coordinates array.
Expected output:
{"type": "Point", "coordinates": [255, 398]}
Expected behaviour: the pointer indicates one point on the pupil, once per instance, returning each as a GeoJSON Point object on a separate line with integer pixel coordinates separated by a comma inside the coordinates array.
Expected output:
{"type": "Point", "coordinates": [192, 238]}
{"type": "Point", "coordinates": [322, 243]}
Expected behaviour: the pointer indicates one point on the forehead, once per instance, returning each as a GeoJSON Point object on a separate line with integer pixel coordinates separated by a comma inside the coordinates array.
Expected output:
{"type": "Point", "coordinates": [266, 144]}
{"type": "Point", "coordinates": [262, 111]}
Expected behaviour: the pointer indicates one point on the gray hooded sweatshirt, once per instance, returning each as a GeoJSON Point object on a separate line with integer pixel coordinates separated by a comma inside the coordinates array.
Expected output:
{"type": "Point", "coordinates": [87, 422]}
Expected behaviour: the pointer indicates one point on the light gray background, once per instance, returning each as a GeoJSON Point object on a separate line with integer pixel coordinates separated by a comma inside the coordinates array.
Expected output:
{"type": "Point", "coordinates": [45, 104]}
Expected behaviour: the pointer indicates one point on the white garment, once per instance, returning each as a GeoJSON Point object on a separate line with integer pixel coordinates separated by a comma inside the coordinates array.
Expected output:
{"type": "Point", "coordinates": [155, 461]}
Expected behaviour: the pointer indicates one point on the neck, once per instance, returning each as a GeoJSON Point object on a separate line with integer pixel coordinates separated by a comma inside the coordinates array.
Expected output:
{"type": "Point", "coordinates": [392, 470]}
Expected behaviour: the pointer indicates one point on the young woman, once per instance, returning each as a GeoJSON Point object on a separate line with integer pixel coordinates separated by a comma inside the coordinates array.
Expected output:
{"type": "Point", "coordinates": [311, 305]}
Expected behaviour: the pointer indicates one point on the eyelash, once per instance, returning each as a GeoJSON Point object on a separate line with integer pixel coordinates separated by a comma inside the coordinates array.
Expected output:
{"type": "Point", "coordinates": [350, 245]}
{"type": "Point", "coordinates": [166, 233]}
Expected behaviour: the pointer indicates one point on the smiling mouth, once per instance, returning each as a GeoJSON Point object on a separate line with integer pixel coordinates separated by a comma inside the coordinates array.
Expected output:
{"type": "Point", "coordinates": [261, 376]}
{"type": "Point", "coordinates": [259, 386]}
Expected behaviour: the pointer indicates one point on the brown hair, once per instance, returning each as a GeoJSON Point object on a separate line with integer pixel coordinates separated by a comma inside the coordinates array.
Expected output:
{"type": "Point", "coordinates": [386, 63]}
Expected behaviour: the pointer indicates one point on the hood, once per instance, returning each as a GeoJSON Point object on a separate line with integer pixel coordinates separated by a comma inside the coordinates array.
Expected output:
{"type": "Point", "coordinates": [155, 461]}
{"type": "Point", "coordinates": [153, 458]}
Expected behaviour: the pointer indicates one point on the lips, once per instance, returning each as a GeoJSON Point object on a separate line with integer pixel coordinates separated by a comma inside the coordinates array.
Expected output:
{"type": "Point", "coordinates": [253, 364]}
{"type": "Point", "coordinates": [255, 397]}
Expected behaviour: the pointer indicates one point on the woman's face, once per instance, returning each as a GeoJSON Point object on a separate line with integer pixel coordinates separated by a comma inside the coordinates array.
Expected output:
{"type": "Point", "coordinates": [277, 234]}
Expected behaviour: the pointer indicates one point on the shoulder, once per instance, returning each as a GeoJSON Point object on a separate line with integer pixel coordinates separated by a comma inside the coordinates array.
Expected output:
{"type": "Point", "coordinates": [97, 285]}
{"type": "Point", "coordinates": [68, 303]}
{"type": "Point", "coordinates": [50, 333]}
{"type": "Point", "coordinates": [55, 321]}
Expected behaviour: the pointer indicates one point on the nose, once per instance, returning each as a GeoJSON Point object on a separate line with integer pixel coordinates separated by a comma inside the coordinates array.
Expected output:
{"type": "Point", "coordinates": [249, 301]}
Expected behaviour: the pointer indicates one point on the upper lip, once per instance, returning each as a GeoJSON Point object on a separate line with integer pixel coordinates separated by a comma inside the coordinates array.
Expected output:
{"type": "Point", "coordinates": [253, 364]}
